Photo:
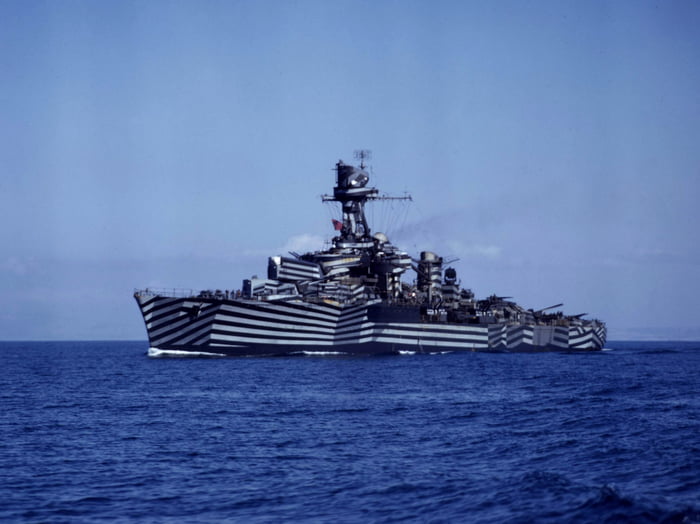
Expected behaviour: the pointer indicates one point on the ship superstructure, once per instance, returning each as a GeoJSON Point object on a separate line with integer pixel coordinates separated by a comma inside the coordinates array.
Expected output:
{"type": "Point", "coordinates": [353, 298]}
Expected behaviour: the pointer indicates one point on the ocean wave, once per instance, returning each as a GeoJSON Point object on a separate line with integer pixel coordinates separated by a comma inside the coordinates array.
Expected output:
{"type": "Point", "coordinates": [171, 353]}
{"type": "Point", "coordinates": [608, 504]}
{"type": "Point", "coordinates": [100, 432]}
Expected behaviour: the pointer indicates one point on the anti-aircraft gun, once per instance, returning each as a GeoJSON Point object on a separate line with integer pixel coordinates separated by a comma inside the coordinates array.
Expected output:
{"type": "Point", "coordinates": [546, 318]}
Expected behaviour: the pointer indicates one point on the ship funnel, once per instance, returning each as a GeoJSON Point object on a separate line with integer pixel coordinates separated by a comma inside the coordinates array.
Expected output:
{"type": "Point", "coordinates": [429, 271]}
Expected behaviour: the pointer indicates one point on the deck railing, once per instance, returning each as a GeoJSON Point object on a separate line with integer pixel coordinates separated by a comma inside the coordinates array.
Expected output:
{"type": "Point", "coordinates": [165, 292]}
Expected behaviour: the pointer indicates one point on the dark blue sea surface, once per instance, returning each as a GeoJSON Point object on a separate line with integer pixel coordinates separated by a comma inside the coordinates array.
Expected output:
{"type": "Point", "coordinates": [97, 431]}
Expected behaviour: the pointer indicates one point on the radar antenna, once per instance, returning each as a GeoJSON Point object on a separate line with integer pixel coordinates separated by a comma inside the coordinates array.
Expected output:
{"type": "Point", "coordinates": [361, 155]}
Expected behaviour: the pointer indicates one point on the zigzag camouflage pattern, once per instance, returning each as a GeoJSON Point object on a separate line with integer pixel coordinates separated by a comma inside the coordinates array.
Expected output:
{"type": "Point", "coordinates": [237, 327]}
{"type": "Point", "coordinates": [351, 299]}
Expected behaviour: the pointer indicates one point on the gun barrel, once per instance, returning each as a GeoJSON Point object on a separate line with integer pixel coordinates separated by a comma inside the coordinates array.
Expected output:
{"type": "Point", "coordinates": [548, 308]}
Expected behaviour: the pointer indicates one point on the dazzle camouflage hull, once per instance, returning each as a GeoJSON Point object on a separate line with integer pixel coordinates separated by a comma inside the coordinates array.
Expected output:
{"type": "Point", "coordinates": [353, 299]}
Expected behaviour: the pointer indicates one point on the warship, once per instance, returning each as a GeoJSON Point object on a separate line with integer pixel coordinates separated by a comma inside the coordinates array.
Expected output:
{"type": "Point", "coordinates": [352, 298]}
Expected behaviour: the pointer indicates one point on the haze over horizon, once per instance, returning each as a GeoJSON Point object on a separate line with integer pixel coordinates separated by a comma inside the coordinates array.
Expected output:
{"type": "Point", "coordinates": [551, 146]}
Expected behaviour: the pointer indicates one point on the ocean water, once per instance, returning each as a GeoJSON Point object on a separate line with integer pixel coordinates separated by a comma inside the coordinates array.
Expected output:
{"type": "Point", "coordinates": [97, 432]}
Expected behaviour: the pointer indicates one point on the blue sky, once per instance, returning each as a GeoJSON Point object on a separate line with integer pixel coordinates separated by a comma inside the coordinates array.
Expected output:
{"type": "Point", "coordinates": [551, 146]}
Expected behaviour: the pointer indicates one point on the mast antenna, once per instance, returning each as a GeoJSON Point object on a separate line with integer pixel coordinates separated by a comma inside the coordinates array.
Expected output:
{"type": "Point", "coordinates": [362, 155]}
